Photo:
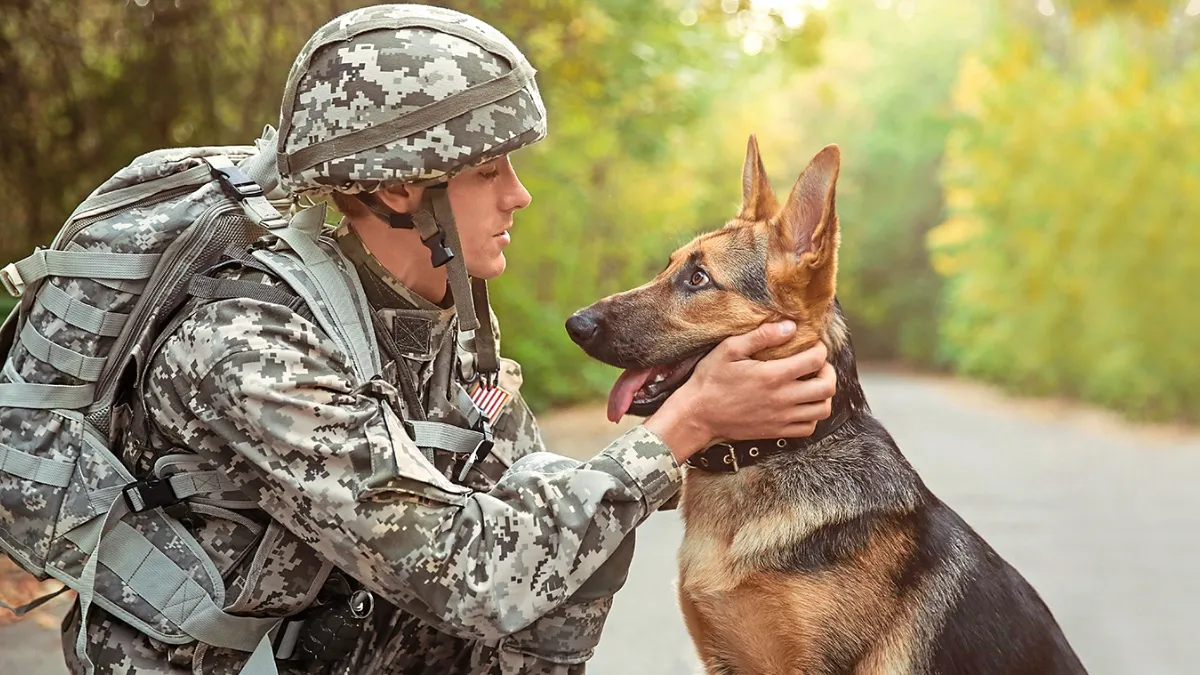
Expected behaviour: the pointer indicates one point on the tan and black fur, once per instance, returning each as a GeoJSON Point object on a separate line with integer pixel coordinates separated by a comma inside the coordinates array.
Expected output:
{"type": "Point", "coordinates": [833, 557]}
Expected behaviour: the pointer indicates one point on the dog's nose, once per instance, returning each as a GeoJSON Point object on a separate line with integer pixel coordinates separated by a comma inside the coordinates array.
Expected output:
{"type": "Point", "coordinates": [582, 327]}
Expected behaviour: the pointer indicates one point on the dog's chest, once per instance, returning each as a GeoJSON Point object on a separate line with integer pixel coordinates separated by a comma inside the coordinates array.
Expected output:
{"type": "Point", "coordinates": [711, 506]}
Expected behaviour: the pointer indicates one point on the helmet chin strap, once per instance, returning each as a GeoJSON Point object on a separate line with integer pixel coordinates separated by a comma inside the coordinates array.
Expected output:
{"type": "Point", "coordinates": [434, 221]}
{"type": "Point", "coordinates": [431, 236]}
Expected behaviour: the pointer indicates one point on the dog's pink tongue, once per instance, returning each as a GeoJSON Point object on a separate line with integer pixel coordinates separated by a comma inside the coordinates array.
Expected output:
{"type": "Point", "coordinates": [621, 396]}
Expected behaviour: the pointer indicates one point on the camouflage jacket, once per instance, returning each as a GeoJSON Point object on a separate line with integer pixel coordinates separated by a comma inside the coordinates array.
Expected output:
{"type": "Point", "coordinates": [510, 570]}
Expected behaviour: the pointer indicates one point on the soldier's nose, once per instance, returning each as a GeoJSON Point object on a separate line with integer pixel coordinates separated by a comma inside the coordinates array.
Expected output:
{"type": "Point", "coordinates": [584, 327]}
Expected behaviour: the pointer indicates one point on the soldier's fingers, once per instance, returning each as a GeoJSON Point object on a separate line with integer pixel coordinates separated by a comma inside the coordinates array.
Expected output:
{"type": "Point", "coordinates": [819, 388]}
{"type": "Point", "coordinates": [800, 364]}
{"type": "Point", "coordinates": [798, 430]}
{"type": "Point", "coordinates": [809, 412]}
{"type": "Point", "coordinates": [743, 346]}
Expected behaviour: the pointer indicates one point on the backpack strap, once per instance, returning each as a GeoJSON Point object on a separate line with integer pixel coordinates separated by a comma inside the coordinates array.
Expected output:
{"type": "Point", "coordinates": [333, 292]}
{"type": "Point", "coordinates": [444, 437]}
{"type": "Point", "coordinates": [152, 493]}
{"type": "Point", "coordinates": [44, 470]}
{"type": "Point", "coordinates": [21, 610]}
{"type": "Point", "coordinates": [329, 285]}
{"type": "Point", "coordinates": [208, 288]}
{"type": "Point", "coordinates": [81, 366]}
{"type": "Point", "coordinates": [159, 581]}
{"type": "Point", "coordinates": [247, 192]}
{"type": "Point", "coordinates": [90, 265]}
{"type": "Point", "coordinates": [474, 444]}
{"type": "Point", "coordinates": [37, 396]}
{"type": "Point", "coordinates": [80, 314]}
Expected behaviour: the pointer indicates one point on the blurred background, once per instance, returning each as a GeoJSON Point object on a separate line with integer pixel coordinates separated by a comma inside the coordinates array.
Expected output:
{"type": "Point", "coordinates": [1018, 196]}
{"type": "Point", "coordinates": [1019, 199]}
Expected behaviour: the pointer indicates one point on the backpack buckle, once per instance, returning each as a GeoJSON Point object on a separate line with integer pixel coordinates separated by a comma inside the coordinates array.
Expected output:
{"type": "Point", "coordinates": [144, 495]}
{"type": "Point", "coordinates": [488, 442]}
{"type": "Point", "coordinates": [481, 450]}
{"type": "Point", "coordinates": [235, 179]}
{"type": "Point", "coordinates": [12, 281]}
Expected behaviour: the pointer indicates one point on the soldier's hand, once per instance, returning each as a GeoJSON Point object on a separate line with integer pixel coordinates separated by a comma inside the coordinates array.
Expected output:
{"type": "Point", "coordinates": [732, 396]}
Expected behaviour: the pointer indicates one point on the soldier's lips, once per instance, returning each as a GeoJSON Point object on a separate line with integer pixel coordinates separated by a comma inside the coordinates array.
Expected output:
{"type": "Point", "coordinates": [642, 391]}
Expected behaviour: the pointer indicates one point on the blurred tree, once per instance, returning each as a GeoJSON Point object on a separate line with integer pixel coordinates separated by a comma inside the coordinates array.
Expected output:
{"type": "Point", "coordinates": [101, 82]}
{"type": "Point", "coordinates": [1091, 12]}
{"type": "Point", "coordinates": [1071, 248]}
{"type": "Point", "coordinates": [881, 92]}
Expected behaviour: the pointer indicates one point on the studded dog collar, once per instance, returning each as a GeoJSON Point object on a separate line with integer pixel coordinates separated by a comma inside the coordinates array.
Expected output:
{"type": "Point", "coordinates": [733, 457]}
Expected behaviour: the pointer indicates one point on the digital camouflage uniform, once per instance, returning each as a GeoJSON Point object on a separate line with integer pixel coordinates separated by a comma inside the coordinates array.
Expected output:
{"type": "Point", "coordinates": [501, 560]}
{"type": "Point", "coordinates": [509, 568]}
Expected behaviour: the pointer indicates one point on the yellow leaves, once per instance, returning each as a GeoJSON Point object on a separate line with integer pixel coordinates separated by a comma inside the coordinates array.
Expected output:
{"type": "Point", "coordinates": [958, 198]}
{"type": "Point", "coordinates": [954, 232]}
{"type": "Point", "coordinates": [1091, 12]}
{"type": "Point", "coordinates": [974, 78]}
{"type": "Point", "coordinates": [1173, 115]}
{"type": "Point", "coordinates": [946, 243]}
{"type": "Point", "coordinates": [1072, 195]}
{"type": "Point", "coordinates": [592, 24]}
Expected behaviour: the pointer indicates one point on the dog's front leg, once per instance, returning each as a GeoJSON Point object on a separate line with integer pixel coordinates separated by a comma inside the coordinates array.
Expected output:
{"type": "Point", "coordinates": [702, 636]}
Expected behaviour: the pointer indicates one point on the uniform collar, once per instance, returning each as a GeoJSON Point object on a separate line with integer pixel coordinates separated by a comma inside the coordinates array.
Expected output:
{"type": "Point", "coordinates": [356, 250]}
{"type": "Point", "coordinates": [418, 327]}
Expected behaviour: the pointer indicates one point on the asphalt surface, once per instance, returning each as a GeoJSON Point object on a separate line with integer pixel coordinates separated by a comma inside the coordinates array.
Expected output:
{"type": "Point", "coordinates": [1102, 517]}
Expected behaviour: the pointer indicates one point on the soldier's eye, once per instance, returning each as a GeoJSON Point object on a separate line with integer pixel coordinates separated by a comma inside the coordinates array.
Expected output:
{"type": "Point", "coordinates": [699, 279]}
{"type": "Point", "coordinates": [490, 174]}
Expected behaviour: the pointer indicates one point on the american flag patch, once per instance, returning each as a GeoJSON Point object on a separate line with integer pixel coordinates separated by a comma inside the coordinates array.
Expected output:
{"type": "Point", "coordinates": [490, 400]}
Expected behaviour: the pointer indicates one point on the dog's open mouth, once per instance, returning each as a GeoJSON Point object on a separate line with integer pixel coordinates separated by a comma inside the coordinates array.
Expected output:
{"type": "Point", "coordinates": [641, 391]}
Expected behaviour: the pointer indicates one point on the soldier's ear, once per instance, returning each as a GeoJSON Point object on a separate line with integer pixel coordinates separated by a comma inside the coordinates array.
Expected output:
{"type": "Point", "coordinates": [401, 197]}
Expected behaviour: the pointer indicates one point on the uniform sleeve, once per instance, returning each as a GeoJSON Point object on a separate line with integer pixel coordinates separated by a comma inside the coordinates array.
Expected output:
{"type": "Point", "coordinates": [560, 642]}
{"type": "Point", "coordinates": [266, 394]}
{"type": "Point", "coordinates": [529, 435]}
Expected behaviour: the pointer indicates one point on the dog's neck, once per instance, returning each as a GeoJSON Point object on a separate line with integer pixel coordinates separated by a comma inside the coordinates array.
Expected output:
{"type": "Point", "coordinates": [849, 402]}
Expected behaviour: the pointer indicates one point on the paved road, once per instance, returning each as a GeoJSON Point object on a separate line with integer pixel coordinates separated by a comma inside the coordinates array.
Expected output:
{"type": "Point", "coordinates": [1102, 518]}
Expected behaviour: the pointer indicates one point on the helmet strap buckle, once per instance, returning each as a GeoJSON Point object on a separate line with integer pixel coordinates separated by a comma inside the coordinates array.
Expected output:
{"type": "Point", "coordinates": [439, 253]}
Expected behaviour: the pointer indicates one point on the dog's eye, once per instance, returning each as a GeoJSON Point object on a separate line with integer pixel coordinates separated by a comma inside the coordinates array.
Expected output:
{"type": "Point", "coordinates": [699, 279]}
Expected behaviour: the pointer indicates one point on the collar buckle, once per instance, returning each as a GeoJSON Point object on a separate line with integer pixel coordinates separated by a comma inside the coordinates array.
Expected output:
{"type": "Point", "coordinates": [730, 457]}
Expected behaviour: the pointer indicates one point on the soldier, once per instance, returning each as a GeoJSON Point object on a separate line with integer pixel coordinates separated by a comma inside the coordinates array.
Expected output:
{"type": "Point", "coordinates": [391, 553]}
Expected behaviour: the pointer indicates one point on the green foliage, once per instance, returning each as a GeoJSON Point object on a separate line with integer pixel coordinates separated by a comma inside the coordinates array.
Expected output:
{"type": "Point", "coordinates": [99, 83]}
{"type": "Point", "coordinates": [881, 93]}
{"type": "Point", "coordinates": [1071, 180]}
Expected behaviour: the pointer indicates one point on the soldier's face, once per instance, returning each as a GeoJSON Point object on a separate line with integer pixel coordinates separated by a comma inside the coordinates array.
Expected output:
{"type": "Point", "coordinates": [484, 199]}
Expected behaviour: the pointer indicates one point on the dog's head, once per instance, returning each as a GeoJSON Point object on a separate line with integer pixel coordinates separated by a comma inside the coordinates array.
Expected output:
{"type": "Point", "coordinates": [768, 263]}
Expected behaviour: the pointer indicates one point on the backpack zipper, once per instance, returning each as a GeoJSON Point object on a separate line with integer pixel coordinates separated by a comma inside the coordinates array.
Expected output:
{"type": "Point", "coordinates": [60, 242]}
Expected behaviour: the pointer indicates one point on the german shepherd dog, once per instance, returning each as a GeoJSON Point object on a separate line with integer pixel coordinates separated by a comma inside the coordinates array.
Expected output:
{"type": "Point", "coordinates": [819, 555]}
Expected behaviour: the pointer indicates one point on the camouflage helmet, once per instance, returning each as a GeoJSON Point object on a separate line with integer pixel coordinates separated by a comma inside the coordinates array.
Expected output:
{"type": "Point", "coordinates": [400, 92]}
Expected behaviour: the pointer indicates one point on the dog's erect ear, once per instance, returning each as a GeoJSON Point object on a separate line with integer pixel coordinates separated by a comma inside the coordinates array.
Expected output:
{"type": "Point", "coordinates": [808, 225]}
{"type": "Point", "coordinates": [758, 199]}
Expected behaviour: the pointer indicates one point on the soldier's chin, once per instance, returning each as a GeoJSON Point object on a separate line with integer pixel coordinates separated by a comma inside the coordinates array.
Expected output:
{"type": "Point", "coordinates": [489, 268]}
